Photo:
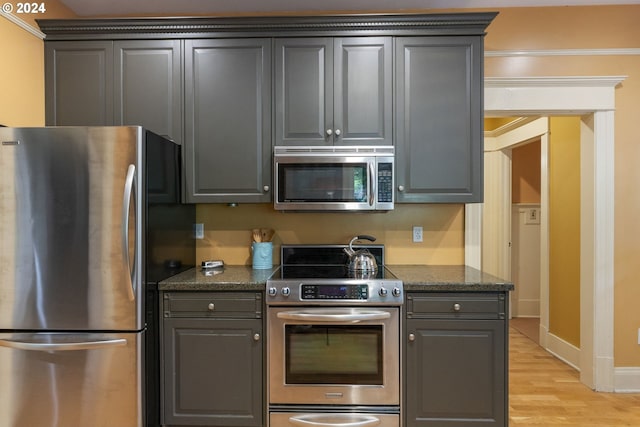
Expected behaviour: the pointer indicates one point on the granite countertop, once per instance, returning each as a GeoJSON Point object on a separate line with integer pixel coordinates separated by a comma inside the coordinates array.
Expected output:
{"type": "Point", "coordinates": [432, 278]}
{"type": "Point", "coordinates": [448, 278]}
{"type": "Point", "coordinates": [228, 278]}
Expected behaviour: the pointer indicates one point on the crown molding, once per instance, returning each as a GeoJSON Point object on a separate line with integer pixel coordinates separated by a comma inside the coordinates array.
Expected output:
{"type": "Point", "coordinates": [562, 52]}
{"type": "Point", "coordinates": [561, 81]}
{"type": "Point", "coordinates": [22, 24]}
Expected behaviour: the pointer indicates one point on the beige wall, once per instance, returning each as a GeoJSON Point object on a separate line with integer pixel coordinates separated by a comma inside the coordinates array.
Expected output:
{"type": "Point", "coordinates": [21, 103]}
{"type": "Point", "coordinates": [22, 68]}
{"type": "Point", "coordinates": [525, 173]}
{"type": "Point", "coordinates": [564, 228]}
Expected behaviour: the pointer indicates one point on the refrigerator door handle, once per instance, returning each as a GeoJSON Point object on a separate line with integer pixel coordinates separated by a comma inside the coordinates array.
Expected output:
{"type": "Point", "coordinates": [63, 346]}
{"type": "Point", "coordinates": [129, 191]}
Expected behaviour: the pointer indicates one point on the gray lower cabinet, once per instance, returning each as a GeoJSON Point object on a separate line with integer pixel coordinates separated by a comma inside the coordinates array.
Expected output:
{"type": "Point", "coordinates": [439, 120]}
{"type": "Point", "coordinates": [333, 91]}
{"type": "Point", "coordinates": [212, 356]}
{"type": "Point", "coordinates": [228, 120]}
{"type": "Point", "coordinates": [456, 360]}
{"type": "Point", "coordinates": [79, 83]}
{"type": "Point", "coordinates": [122, 82]}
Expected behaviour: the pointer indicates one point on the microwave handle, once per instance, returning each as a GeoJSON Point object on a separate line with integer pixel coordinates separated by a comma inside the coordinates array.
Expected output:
{"type": "Point", "coordinates": [334, 420]}
{"type": "Point", "coordinates": [332, 317]}
{"type": "Point", "coordinates": [374, 182]}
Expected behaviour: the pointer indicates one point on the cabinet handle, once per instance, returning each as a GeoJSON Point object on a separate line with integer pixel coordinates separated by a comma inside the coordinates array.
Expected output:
{"type": "Point", "coordinates": [256, 337]}
{"type": "Point", "coordinates": [400, 188]}
{"type": "Point", "coordinates": [266, 188]}
{"type": "Point", "coordinates": [412, 337]}
{"type": "Point", "coordinates": [211, 306]}
{"type": "Point", "coordinates": [457, 307]}
{"type": "Point", "coordinates": [329, 132]}
{"type": "Point", "coordinates": [338, 132]}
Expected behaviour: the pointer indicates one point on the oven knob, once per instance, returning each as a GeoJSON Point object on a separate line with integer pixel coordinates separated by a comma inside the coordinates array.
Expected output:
{"type": "Point", "coordinates": [396, 292]}
{"type": "Point", "coordinates": [273, 291]}
{"type": "Point", "coordinates": [382, 292]}
{"type": "Point", "coordinates": [286, 291]}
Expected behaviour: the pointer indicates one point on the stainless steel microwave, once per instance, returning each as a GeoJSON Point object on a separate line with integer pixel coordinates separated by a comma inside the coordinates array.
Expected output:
{"type": "Point", "coordinates": [342, 178]}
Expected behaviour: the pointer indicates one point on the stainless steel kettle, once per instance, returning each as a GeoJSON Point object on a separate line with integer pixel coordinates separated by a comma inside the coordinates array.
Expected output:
{"type": "Point", "coordinates": [361, 260]}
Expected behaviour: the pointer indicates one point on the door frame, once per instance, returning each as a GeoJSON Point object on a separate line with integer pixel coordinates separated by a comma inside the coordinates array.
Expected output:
{"type": "Point", "coordinates": [593, 98]}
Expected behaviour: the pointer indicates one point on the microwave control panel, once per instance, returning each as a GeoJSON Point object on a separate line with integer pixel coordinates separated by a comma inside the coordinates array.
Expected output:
{"type": "Point", "coordinates": [385, 183]}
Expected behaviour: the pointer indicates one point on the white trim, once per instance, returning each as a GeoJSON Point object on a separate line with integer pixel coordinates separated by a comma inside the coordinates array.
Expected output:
{"type": "Point", "coordinates": [473, 242]}
{"type": "Point", "coordinates": [627, 380]}
{"type": "Point", "coordinates": [562, 52]}
{"type": "Point", "coordinates": [563, 350]}
{"type": "Point", "coordinates": [596, 95]}
{"type": "Point", "coordinates": [23, 24]}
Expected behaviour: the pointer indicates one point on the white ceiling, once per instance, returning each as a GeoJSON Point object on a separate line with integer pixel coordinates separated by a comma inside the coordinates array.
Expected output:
{"type": "Point", "coordinates": [215, 7]}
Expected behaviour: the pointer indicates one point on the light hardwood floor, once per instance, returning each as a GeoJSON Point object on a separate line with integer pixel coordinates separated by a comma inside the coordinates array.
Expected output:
{"type": "Point", "coordinates": [545, 392]}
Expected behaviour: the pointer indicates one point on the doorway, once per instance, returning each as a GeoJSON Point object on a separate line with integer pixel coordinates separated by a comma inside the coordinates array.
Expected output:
{"type": "Point", "coordinates": [592, 98]}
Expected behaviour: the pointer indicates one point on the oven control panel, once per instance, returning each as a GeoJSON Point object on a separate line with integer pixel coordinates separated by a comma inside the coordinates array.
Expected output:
{"type": "Point", "coordinates": [357, 292]}
{"type": "Point", "coordinates": [385, 292]}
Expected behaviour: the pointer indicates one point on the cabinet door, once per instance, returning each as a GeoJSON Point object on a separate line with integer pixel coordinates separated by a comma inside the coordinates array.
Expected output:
{"type": "Point", "coordinates": [228, 120]}
{"type": "Point", "coordinates": [79, 83]}
{"type": "Point", "coordinates": [362, 87]}
{"type": "Point", "coordinates": [148, 81]}
{"type": "Point", "coordinates": [439, 119]}
{"type": "Point", "coordinates": [304, 91]}
{"type": "Point", "coordinates": [456, 373]}
{"type": "Point", "coordinates": [213, 372]}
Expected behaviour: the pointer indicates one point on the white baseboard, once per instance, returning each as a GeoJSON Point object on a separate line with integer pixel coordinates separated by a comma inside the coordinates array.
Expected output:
{"type": "Point", "coordinates": [528, 308]}
{"type": "Point", "coordinates": [627, 380]}
{"type": "Point", "coordinates": [567, 352]}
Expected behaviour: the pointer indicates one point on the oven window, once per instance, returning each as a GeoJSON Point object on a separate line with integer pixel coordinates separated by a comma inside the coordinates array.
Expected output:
{"type": "Point", "coordinates": [322, 182]}
{"type": "Point", "coordinates": [340, 354]}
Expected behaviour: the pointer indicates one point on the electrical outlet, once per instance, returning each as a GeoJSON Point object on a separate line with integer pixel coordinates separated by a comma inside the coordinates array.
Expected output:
{"type": "Point", "coordinates": [198, 231]}
{"type": "Point", "coordinates": [417, 234]}
{"type": "Point", "coordinates": [532, 216]}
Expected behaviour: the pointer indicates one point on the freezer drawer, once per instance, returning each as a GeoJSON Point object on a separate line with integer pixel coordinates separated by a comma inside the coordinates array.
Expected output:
{"type": "Point", "coordinates": [71, 380]}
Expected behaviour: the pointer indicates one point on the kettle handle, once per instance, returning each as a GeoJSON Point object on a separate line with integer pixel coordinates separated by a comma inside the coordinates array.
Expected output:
{"type": "Point", "coordinates": [350, 251]}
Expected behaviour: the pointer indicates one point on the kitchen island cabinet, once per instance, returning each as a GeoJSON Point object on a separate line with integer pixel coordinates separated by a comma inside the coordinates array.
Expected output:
{"type": "Point", "coordinates": [456, 359]}
{"type": "Point", "coordinates": [212, 359]}
{"type": "Point", "coordinates": [333, 91]}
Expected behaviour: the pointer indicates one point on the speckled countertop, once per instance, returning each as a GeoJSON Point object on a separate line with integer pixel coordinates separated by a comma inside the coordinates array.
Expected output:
{"type": "Point", "coordinates": [432, 278]}
{"type": "Point", "coordinates": [448, 278]}
{"type": "Point", "coordinates": [229, 278]}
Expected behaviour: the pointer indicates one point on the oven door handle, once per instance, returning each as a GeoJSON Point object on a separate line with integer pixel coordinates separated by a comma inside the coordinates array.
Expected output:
{"type": "Point", "coordinates": [334, 420]}
{"type": "Point", "coordinates": [334, 317]}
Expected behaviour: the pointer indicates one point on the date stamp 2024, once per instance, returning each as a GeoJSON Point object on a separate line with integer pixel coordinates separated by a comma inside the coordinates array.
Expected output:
{"type": "Point", "coordinates": [24, 8]}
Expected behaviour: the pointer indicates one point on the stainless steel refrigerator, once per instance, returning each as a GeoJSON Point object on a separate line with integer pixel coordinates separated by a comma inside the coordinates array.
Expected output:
{"type": "Point", "coordinates": [90, 219]}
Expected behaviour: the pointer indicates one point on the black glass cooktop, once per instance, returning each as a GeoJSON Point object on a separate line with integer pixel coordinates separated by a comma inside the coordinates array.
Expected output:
{"type": "Point", "coordinates": [327, 262]}
{"type": "Point", "coordinates": [330, 272]}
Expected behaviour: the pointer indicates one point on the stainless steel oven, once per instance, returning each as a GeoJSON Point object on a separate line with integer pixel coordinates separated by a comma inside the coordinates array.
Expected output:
{"type": "Point", "coordinates": [333, 342]}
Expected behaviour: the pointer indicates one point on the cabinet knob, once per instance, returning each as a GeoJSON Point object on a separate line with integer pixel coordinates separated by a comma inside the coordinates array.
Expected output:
{"type": "Point", "coordinates": [457, 307]}
{"type": "Point", "coordinates": [266, 188]}
{"type": "Point", "coordinates": [329, 132]}
{"type": "Point", "coordinates": [211, 306]}
{"type": "Point", "coordinates": [400, 187]}
{"type": "Point", "coordinates": [412, 337]}
{"type": "Point", "coordinates": [256, 337]}
{"type": "Point", "coordinates": [338, 132]}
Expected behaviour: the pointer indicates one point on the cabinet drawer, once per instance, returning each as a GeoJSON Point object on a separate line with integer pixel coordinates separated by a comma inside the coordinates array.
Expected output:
{"type": "Point", "coordinates": [213, 304]}
{"type": "Point", "coordinates": [456, 305]}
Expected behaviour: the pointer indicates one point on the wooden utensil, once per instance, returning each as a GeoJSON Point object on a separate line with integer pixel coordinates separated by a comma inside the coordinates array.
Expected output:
{"type": "Point", "coordinates": [257, 235]}
{"type": "Point", "coordinates": [266, 234]}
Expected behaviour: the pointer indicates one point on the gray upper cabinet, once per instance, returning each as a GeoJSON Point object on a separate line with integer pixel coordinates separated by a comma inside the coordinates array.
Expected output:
{"type": "Point", "coordinates": [104, 83]}
{"type": "Point", "coordinates": [333, 91]}
{"type": "Point", "coordinates": [79, 83]}
{"type": "Point", "coordinates": [439, 113]}
{"type": "Point", "coordinates": [148, 86]}
{"type": "Point", "coordinates": [228, 120]}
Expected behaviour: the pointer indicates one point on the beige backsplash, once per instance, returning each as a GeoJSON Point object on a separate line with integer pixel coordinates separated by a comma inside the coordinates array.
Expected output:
{"type": "Point", "coordinates": [228, 231]}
